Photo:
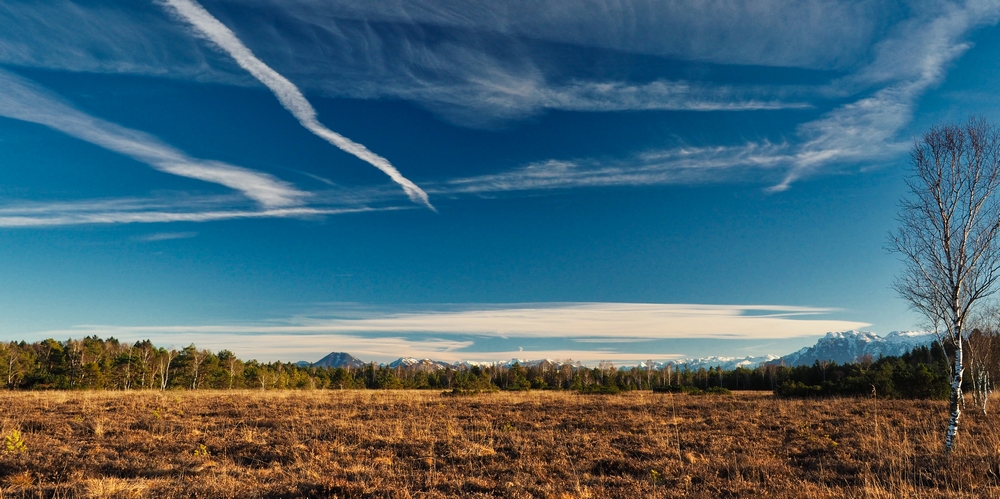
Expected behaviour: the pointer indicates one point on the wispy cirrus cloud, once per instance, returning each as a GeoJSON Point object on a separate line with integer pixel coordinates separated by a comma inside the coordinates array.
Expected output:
{"type": "Point", "coordinates": [287, 93]}
{"type": "Point", "coordinates": [166, 236]}
{"type": "Point", "coordinates": [810, 33]}
{"type": "Point", "coordinates": [476, 64]}
{"type": "Point", "coordinates": [106, 218]}
{"type": "Point", "coordinates": [104, 37]}
{"type": "Point", "coordinates": [178, 208]}
{"type": "Point", "coordinates": [683, 165]}
{"type": "Point", "coordinates": [23, 100]}
{"type": "Point", "coordinates": [479, 64]}
{"type": "Point", "coordinates": [484, 70]}
{"type": "Point", "coordinates": [910, 61]}
{"type": "Point", "coordinates": [655, 96]}
{"type": "Point", "coordinates": [476, 85]}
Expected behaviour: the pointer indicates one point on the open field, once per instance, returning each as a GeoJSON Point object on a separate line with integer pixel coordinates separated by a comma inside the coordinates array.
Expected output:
{"type": "Point", "coordinates": [538, 444]}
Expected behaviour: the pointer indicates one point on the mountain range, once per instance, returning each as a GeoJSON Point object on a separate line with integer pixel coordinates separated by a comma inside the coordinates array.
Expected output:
{"type": "Point", "coordinates": [840, 347]}
{"type": "Point", "coordinates": [847, 346]}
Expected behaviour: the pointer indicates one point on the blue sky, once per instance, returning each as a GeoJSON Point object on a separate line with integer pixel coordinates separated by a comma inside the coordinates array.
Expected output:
{"type": "Point", "coordinates": [570, 179]}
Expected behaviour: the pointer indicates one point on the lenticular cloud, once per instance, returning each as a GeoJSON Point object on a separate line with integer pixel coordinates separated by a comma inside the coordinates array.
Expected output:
{"type": "Point", "coordinates": [287, 93]}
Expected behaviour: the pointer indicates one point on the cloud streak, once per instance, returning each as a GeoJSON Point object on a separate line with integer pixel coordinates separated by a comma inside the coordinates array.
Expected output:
{"type": "Point", "coordinates": [683, 165]}
{"type": "Point", "coordinates": [811, 33]}
{"type": "Point", "coordinates": [166, 236]}
{"type": "Point", "coordinates": [153, 210]}
{"type": "Point", "coordinates": [104, 37]}
{"type": "Point", "coordinates": [561, 320]}
{"type": "Point", "coordinates": [452, 333]}
{"type": "Point", "coordinates": [22, 100]}
{"type": "Point", "coordinates": [106, 218]}
{"type": "Point", "coordinates": [480, 64]}
{"type": "Point", "coordinates": [661, 95]}
{"type": "Point", "coordinates": [909, 62]}
{"type": "Point", "coordinates": [489, 67]}
{"type": "Point", "coordinates": [287, 93]}
{"type": "Point", "coordinates": [912, 60]}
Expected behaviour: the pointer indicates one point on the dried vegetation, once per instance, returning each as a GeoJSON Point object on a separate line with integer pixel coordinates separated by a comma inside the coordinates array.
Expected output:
{"type": "Point", "coordinates": [536, 444]}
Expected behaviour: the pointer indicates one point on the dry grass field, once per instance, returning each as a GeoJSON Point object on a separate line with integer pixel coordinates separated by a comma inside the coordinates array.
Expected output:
{"type": "Point", "coordinates": [538, 444]}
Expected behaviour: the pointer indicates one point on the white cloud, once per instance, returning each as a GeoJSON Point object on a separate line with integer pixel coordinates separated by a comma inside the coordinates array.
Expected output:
{"type": "Point", "coordinates": [580, 320]}
{"type": "Point", "coordinates": [558, 320]}
{"type": "Point", "coordinates": [23, 100]}
{"type": "Point", "coordinates": [655, 96]}
{"type": "Point", "coordinates": [154, 210]}
{"type": "Point", "coordinates": [450, 332]}
{"type": "Point", "coordinates": [164, 217]}
{"type": "Point", "coordinates": [912, 60]}
{"type": "Point", "coordinates": [312, 347]}
{"type": "Point", "coordinates": [682, 165]}
{"type": "Point", "coordinates": [472, 86]}
{"type": "Point", "coordinates": [483, 71]}
{"type": "Point", "coordinates": [810, 33]}
{"type": "Point", "coordinates": [909, 62]}
{"type": "Point", "coordinates": [287, 93]}
{"type": "Point", "coordinates": [478, 64]}
{"type": "Point", "coordinates": [128, 37]}
{"type": "Point", "coordinates": [166, 236]}
{"type": "Point", "coordinates": [272, 347]}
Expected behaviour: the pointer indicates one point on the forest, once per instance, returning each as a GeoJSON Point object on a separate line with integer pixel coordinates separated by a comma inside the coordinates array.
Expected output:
{"type": "Point", "coordinates": [94, 363]}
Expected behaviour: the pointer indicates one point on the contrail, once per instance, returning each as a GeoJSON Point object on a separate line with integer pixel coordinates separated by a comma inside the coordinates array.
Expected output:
{"type": "Point", "coordinates": [287, 93]}
{"type": "Point", "coordinates": [22, 100]}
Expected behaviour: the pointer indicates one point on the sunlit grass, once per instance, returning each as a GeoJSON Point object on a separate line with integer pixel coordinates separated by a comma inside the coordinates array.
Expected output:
{"type": "Point", "coordinates": [535, 444]}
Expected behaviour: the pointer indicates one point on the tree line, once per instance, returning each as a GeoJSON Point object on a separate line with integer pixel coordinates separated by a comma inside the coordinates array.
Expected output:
{"type": "Point", "coordinates": [93, 363]}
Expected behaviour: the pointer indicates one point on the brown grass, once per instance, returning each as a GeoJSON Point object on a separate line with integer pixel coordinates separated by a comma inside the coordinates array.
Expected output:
{"type": "Point", "coordinates": [538, 444]}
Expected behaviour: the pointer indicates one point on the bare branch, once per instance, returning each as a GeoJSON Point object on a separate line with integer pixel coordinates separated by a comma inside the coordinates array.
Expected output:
{"type": "Point", "coordinates": [947, 236]}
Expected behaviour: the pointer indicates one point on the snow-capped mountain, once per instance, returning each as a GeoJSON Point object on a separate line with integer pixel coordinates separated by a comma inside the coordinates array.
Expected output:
{"type": "Point", "coordinates": [842, 347]}
{"type": "Point", "coordinates": [426, 365]}
{"type": "Point", "coordinates": [726, 363]}
{"type": "Point", "coordinates": [339, 359]}
{"type": "Point", "coordinates": [555, 364]}
{"type": "Point", "coordinates": [848, 346]}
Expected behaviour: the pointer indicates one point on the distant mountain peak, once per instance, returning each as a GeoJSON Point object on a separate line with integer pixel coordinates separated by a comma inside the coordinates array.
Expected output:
{"type": "Point", "coordinates": [849, 346]}
{"type": "Point", "coordinates": [339, 359]}
{"type": "Point", "coordinates": [726, 363]}
{"type": "Point", "coordinates": [427, 365]}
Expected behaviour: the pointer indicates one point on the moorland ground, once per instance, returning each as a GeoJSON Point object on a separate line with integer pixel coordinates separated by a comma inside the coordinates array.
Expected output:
{"type": "Point", "coordinates": [534, 444]}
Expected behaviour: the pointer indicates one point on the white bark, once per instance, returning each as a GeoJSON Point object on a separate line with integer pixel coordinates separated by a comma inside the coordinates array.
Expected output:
{"type": "Point", "coordinates": [948, 235]}
{"type": "Point", "coordinates": [956, 400]}
{"type": "Point", "coordinates": [165, 369]}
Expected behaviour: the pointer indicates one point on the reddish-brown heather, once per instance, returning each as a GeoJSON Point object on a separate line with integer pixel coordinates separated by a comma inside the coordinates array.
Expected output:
{"type": "Point", "coordinates": [540, 444]}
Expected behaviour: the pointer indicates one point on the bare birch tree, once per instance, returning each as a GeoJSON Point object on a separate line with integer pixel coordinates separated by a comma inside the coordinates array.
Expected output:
{"type": "Point", "coordinates": [984, 347]}
{"type": "Point", "coordinates": [165, 358]}
{"type": "Point", "coordinates": [11, 357]}
{"type": "Point", "coordinates": [947, 237]}
{"type": "Point", "coordinates": [982, 362]}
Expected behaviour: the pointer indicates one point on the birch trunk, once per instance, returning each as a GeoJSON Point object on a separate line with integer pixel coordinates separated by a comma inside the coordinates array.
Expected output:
{"type": "Point", "coordinates": [956, 399]}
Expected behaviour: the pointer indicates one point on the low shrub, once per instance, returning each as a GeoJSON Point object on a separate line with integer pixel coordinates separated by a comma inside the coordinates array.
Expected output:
{"type": "Point", "coordinates": [717, 390]}
{"type": "Point", "coordinates": [798, 389]}
{"type": "Point", "coordinates": [600, 390]}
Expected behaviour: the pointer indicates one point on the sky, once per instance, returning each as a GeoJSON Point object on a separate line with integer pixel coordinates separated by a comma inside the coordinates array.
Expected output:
{"type": "Point", "coordinates": [570, 179]}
